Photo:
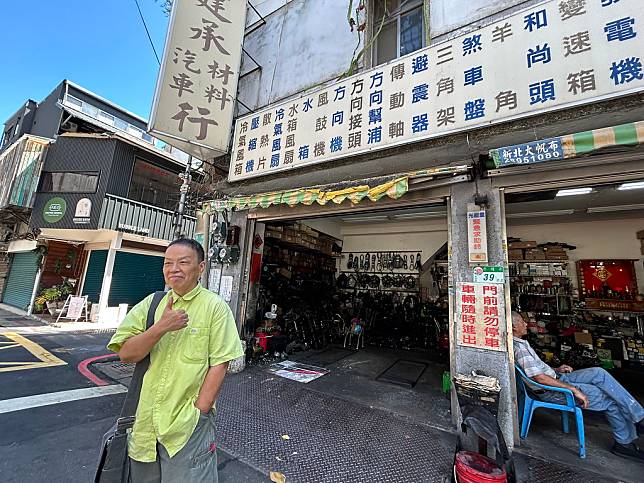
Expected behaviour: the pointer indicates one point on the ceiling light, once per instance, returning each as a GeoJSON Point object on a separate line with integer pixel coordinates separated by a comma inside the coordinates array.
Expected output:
{"type": "Point", "coordinates": [363, 219]}
{"type": "Point", "coordinates": [534, 214]}
{"type": "Point", "coordinates": [636, 185]}
{"type": "Point", "coordinates": [575, 191]}
{"type": "Point", "coordinates": [413, 216]}
{"type": "Point", "coordinates": [610, 209]}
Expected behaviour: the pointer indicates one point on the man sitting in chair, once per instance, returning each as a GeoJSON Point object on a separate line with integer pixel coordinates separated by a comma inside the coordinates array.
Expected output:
{"type": "Point", "coordinates": [594, 388]}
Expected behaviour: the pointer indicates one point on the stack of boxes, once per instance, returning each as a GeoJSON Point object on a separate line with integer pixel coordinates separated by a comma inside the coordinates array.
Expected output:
{"type": "Point", "coordinates": [529, 250]}
{"type": "Point", "coordinates": [303, 236]}
{"type": "Point", "coordinates": [555, 251]}
{"type": "Point", "coordinates": [517, 249]}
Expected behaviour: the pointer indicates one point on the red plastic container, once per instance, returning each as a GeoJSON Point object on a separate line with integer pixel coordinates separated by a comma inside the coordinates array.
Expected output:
{"type": "Point", "coordinates": [262, 340]}
{"type": "Point", "coordinates": [476, 468]}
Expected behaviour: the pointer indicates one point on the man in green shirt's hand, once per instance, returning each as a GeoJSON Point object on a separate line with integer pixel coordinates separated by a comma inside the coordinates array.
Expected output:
{"type": "Point", "coordinates": [139, 346]}
{"type": "Point", "coordinates": [190, 344]}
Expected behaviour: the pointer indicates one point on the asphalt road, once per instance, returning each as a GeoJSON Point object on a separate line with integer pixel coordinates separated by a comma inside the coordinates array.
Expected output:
{"type": "Point", "coordinates": [61, 442]}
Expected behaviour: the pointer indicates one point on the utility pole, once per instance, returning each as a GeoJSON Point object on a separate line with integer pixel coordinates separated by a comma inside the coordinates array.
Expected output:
{"type": "Point", "coordinates": [185, 186]}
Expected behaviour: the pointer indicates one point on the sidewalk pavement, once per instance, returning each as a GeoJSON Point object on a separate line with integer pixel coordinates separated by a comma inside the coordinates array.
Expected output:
{"type": "Point", "coordinates": [17, 320]}
{"type": "Point", "coordinates": [274, 424]}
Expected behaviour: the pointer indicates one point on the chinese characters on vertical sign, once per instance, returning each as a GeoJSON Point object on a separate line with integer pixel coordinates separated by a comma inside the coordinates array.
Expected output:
{"type": "Point", "coordinates": [477, 235]}
{"type": "Point", "coordinates": [197, 85]}
{"type": "Point", "coordinates": [479, 316]}
{"type": "Point", "coordinates": [553, 55]}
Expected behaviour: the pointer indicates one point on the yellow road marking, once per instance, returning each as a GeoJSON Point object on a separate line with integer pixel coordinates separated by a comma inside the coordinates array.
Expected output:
{"type": "Point", "coordinates": [47, 359]}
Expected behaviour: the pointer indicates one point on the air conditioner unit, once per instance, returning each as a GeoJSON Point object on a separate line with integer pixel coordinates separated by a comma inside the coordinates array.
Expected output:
{"type": "Point", "coordinates": [69, 126]}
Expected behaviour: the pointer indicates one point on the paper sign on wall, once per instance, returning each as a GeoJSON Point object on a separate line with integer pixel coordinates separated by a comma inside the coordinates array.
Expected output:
{"type": "Point", "coordinates": [480, 310]}
{"type": "Point", "coordinates": [226, 287]}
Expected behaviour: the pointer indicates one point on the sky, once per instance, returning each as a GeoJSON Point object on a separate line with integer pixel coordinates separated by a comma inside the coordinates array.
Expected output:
{"type": "Point", "coordinates": [100, 45]}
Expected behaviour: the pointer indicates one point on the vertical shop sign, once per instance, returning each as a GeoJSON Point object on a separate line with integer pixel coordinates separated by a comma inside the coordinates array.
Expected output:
{"type": "Point", "coordinates": [479, 316]}
{"type": "Point", "coordinates": [477, 235]}
{"type": "Point", "coordinates": [197, 85]}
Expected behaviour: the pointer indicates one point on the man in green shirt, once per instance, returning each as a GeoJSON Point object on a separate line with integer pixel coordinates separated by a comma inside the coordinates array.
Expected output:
{"type": "Point", "coordinates": [190, 344]}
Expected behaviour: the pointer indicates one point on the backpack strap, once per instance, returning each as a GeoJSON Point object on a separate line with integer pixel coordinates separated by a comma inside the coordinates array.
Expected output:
{"type": "Point", "coordinates": [134, 389]}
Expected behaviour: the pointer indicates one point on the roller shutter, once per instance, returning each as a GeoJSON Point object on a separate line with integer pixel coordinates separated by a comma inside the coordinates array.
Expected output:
{"type": "Point", "coordinates": [135, 276]}
{"type": "Point", "coordinates": [21, 279]}
{"type": "Point", "coordinates": [94, 275]}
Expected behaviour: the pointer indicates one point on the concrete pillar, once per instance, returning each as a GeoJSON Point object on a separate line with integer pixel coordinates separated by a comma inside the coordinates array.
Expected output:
{"type": "Point", "coordinates": [115, 245]}
{"type": "Point", "coordinates": [240, 270]}
{"type": "Point", "coordinates": [464, 360]}
{"type": "Point", "coordinates": [202, 235]}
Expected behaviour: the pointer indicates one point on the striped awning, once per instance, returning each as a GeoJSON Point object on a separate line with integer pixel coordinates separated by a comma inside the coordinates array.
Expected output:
{"type": "Point", "coordinates": [569, 146]}
{"type": "Point", "coordinates": [393, 188]}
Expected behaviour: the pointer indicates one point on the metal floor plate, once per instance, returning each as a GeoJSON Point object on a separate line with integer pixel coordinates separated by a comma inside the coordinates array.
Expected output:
{"type": "Point", "coordinates": [330, 440]}
{"type": "Point", "coordinates": [333, 440]}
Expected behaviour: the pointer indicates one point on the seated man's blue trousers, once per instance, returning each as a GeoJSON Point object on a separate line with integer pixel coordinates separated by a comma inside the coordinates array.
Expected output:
{"type": "Point", "coordinates": [606, 394]}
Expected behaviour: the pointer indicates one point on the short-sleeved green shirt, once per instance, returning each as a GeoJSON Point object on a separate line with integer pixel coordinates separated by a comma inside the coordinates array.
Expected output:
{"type": "Point", "coordinates": [179, 363]}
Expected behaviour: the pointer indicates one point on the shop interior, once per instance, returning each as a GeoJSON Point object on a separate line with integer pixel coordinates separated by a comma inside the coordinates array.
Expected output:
{"type": "Point", "coordinates": [577, 276]}
{"type": "Point", "coordinates": [364, 296]}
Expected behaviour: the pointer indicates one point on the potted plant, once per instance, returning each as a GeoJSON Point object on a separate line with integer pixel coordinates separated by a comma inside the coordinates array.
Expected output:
{"type": "Point", "coordinates": [49, 297]}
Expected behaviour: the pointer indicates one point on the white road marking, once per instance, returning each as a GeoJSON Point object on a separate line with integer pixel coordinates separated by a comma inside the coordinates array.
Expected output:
{"type": "Point", "coordinates": [38, 400]}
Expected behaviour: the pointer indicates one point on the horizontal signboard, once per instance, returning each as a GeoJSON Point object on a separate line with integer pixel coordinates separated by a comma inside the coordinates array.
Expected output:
{"type": "Point", "coordinates": [554, 55]}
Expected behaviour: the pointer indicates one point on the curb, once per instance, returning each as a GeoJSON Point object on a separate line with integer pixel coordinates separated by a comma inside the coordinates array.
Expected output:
{"type": "Point", "coordinates": [83, 368]}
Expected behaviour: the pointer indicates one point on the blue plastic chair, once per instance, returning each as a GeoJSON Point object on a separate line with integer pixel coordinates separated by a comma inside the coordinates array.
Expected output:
{"type": "Point", "coordinates": [530, 403]}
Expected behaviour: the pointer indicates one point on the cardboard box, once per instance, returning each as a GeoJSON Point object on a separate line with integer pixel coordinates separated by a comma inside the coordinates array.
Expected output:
{"type": "Point", "coordinates": [535, 254]}
{"type": "Point", "coordinates": [640, 235]}
{"type": "Point", "coordinates": [583, 338]}
{"type": "Point", "coordinates": [285, 273]}
{"type": "Point", "coordinates": [515, 254]}
{"type": "Point", "coordinates": [516, 245]}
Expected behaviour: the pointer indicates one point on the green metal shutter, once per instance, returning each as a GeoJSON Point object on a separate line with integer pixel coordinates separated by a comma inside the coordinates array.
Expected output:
{"type": "Point", "coordinates": [94, 275]}
{"type": "Point", "coordinates": [135, 277]}
{"type": "Point", "coordinates": [21, 279]}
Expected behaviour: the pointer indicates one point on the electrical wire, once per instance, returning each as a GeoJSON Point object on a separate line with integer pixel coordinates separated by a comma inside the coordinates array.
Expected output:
{"type": "Point", "coordinates": [147, 31]}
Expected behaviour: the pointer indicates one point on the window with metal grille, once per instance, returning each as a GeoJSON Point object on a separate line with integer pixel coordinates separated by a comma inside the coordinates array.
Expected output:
{"type": "Point", "coordinates": [403, 30]}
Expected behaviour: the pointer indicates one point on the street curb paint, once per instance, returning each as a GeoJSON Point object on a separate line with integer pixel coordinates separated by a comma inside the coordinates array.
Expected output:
{"type": "Point", "coordinates": [83, 368]}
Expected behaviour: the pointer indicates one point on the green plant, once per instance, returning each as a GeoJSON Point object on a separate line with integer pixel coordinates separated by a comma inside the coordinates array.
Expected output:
{"type": "Point", "coordinates": [50, 294]}
{"type": "Point", "coordinates": [67, 288]}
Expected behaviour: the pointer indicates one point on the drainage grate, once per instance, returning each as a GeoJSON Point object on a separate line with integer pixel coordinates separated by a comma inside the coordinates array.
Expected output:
{"type": "Point", "coordinates": [549, 471]}
{"type": "Point", "coordinates": [403, 373]}
{"type": "Point", "coordinates": [114, 370]}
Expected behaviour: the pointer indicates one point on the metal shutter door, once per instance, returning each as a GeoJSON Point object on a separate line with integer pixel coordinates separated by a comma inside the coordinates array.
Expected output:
{"type": "Point", "coordinates": [94, 275]}
{"type": "Point", "coordinates": [21, 279]}
{"type": "Point", "coordinates": [135, 276]}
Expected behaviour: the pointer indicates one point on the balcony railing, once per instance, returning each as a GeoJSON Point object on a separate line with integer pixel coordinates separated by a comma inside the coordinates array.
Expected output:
{"type": "Point", "coordinates": [123, 126]}
{"type": "Point", "coordinates": [130, 216]}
